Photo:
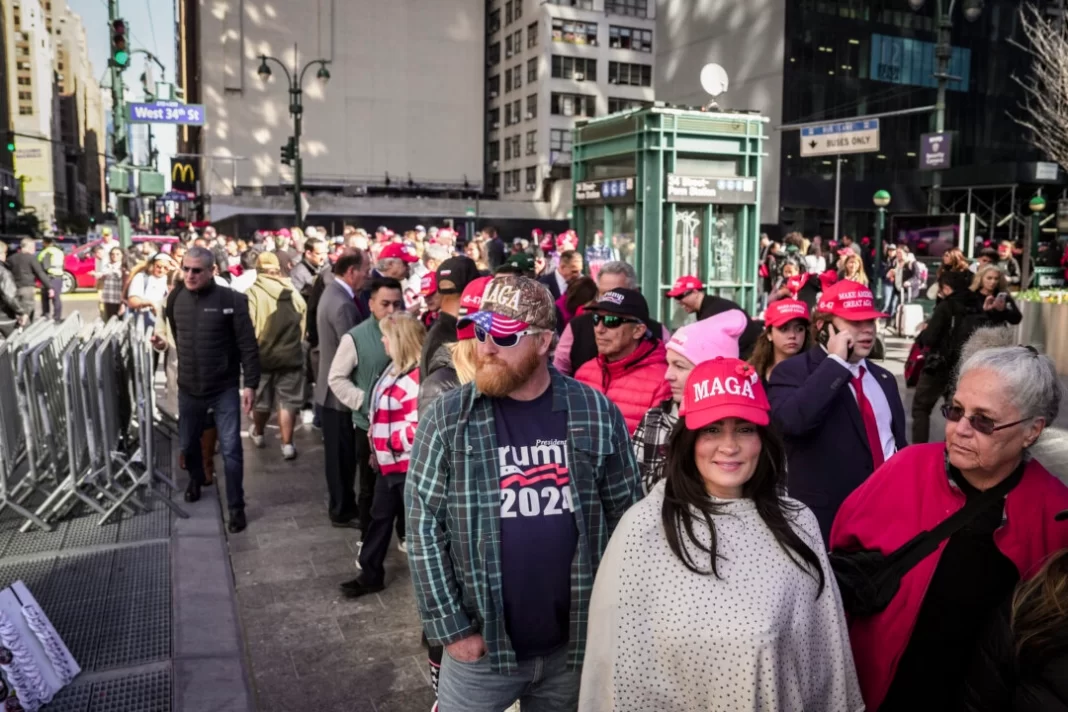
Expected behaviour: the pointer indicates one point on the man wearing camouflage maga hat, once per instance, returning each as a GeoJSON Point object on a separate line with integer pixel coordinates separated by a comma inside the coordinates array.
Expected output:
{"type": "Point", "coordinates": [503, 581]}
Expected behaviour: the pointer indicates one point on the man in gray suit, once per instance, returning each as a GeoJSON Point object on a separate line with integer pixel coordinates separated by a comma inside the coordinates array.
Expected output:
{"type": "Point", "coordinates": [336, 314]}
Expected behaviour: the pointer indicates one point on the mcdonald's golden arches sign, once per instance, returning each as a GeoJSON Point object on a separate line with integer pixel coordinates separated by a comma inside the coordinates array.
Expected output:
{"type": "Point", "coordinates": [184, 174]}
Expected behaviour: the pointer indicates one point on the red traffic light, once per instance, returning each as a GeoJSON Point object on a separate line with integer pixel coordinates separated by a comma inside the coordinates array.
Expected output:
{"type": "Point", "coordinates": [119, 27]}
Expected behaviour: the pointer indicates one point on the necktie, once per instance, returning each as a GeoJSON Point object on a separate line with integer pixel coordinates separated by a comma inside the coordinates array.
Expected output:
{"type": "Point", "coordinates": [867, 414]}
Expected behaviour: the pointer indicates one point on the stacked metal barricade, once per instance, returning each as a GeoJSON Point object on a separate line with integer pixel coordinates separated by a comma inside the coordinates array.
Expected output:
{"type": "Point", "coordinates": [77, 420]}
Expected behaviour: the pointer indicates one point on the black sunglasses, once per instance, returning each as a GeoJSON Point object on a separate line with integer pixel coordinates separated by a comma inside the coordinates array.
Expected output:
{"type": "Point", "coordinates": [683, 295]}
{"type": "Point", "coordinates": [981, 423]}
{"type": "Point", "coordinates": [192, 270]}
{"type": "Point", "coordinates": [611, 321]}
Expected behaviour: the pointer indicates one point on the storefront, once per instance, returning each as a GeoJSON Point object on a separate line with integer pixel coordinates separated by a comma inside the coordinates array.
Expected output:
{"type": "Point", "coordinates": [673, 193]}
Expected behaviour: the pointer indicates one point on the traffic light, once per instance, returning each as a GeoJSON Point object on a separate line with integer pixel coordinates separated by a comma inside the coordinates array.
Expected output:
{"type": "Point", "coordinates": [289, 152]}
{"type": "Point", "coordinates": [10, 142]}
{"type": "Point", "coordinates": [120, 55]}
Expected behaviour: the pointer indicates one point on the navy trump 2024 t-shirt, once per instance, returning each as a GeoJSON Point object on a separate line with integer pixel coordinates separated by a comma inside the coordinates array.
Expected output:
{"type": "Point", "coordinates": [538, 532]}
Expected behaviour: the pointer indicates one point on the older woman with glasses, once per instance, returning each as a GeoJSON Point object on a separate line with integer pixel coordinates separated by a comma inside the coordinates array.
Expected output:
{"type": "Point", "coordinates": [912, 651]}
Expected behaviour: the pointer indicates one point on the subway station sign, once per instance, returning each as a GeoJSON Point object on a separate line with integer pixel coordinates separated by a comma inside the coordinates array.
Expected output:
{"type": "Point", "coordinates": [720, 191]}
{"type": "Point", "coordinates": [612, 191]}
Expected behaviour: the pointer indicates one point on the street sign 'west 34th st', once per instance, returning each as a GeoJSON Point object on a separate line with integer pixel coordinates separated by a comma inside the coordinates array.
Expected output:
{"type": "Point", "coordinates": [166, 112]}
{"type": "Point", "coordinates": [845, 137]}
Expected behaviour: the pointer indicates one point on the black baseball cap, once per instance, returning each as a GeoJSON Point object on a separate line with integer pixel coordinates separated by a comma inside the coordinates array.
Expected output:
{"type": "Point", "coordinates": [455, 274]}
{"type": "Point", "coordinates": [624, 302]}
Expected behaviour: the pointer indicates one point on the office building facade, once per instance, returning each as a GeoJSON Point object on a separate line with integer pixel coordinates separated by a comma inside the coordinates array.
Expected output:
{"type": "Point", "coordinates": [830, 60]}
{"type": "Point", "coordinates": [548, 64]}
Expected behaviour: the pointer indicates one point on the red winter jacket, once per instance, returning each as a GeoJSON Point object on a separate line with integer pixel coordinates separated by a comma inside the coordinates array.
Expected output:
{"type": "Point", "coordinates": [635, 384]}
{"type": "Point", "coordinates": [911, 493]}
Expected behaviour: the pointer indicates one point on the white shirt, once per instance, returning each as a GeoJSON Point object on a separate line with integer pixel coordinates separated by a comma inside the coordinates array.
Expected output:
{"type": "Point", "coordinates": [243, 281]}
{"type": "Point", "coordinates": [756, 637]}
{"type": "Point", "coordinates": [561, 282]}
{"type": "Point", "coordinates": [877, 398]}
{"type": "Point", "coordinates": [150, 288]}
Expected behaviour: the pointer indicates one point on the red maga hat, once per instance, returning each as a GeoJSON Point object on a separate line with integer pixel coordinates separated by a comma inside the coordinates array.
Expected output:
{"type": "Point", "coordinates": [851, 301]}
{"type": "Point", "coordinates": [724, 388]}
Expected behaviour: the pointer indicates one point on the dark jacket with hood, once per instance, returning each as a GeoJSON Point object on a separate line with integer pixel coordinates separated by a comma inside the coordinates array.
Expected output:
{"type": "Point", "coordinates": [951, 323]}
{"type": "Point", "coordinates": [215, 340]}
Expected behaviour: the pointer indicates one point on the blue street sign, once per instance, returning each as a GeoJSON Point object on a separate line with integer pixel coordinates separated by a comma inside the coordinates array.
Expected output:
{"type": "Point", "coordinates": [845, 127]}
{"type": "Point", "coordinates": [166, 112]}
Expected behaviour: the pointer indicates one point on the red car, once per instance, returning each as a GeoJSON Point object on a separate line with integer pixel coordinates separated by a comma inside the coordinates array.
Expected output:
{"type": "Point", "coordinates": [79, 266]}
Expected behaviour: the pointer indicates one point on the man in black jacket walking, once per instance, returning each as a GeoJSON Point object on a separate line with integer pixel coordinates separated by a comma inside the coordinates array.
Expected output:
{"type": "Point", "coordinates": [11, 311]}
{"type": "Point", "coordinates": [27, 271]}
{"type": "Point", "coordinates": [216, 346]}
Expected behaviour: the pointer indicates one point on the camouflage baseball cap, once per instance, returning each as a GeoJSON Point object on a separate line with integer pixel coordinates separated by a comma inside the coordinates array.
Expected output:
{"type": "Point", "coordinates": [512, 304]}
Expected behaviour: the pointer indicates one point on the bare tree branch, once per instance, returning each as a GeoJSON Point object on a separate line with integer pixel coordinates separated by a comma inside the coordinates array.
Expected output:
{"type": "Point", "coordinates": [1045, 104]}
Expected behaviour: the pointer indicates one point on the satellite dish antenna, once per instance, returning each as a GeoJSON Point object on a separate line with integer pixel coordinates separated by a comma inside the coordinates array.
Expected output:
{"type": "Point", "coordinates": [714, 81]}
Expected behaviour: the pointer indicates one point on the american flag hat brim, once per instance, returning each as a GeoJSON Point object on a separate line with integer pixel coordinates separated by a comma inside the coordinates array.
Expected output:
{"type": "Point", "coordinates": [494, 324]}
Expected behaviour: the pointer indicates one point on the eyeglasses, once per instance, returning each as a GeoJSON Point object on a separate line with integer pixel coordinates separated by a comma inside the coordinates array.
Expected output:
{"type": "Point", "coordinates": [981, 423]}
{"type": "Point", "coordinates": [611, 321]}
{"type": "Point", "coordinates": [683, 295]}
{"type": "Point", "coordinates": [504, 342]}
{"type": "Point", "coordinates": [192, 270]}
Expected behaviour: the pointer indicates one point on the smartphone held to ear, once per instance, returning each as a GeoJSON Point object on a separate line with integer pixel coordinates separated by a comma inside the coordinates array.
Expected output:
{"type": "Point", "coordinates": [825, 335]}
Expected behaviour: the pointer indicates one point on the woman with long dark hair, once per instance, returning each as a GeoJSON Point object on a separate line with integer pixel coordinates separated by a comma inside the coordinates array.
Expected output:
{"type": "Point", "coordinates": [715, 591]}
{"type": "Point", "coordinates": [785, 334]}
{"type": "Point", "coordinates": [1022, 663]}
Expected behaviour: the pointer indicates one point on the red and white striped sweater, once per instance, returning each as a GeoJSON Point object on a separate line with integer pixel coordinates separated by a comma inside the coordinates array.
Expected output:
{"type": "Point", "coordinates": [394, 416]}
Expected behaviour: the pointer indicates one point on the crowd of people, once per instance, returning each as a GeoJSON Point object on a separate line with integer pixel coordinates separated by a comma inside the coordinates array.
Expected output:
{"type": "Point", "coordinates": [600, 514]}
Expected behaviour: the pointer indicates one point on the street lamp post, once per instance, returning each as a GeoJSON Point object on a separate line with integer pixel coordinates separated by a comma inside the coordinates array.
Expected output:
{"type": "Point", "coordinates": [296, 110]}
{"type": "Point", "coordinates": [1030, 254]}
{"type": "Point", "coordinates": [943, 53]}
{"type": "Point", "coordinates": [881, 200]}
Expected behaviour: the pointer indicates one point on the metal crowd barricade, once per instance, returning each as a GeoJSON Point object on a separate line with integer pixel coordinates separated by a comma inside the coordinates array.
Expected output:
{"type": "Point", "coordinates": [140, 466]}
{"type": "Point", "coordinates": [64, 435]}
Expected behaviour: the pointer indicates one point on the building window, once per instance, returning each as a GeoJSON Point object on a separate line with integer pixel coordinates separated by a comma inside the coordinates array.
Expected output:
{"type": "Point", "coordinates": [574, 32]}
{"type": "Point", "coordinates": [517, 41]}
{"type": "Point", "coordinates": [493, 86]}
{"type": "Point", "coordinates": [517, 76]}
{"type": "Point", "coordinates": [633, 8]}
{"type": "Point", "coordinates": [507, 149]}
{"type": "Point", "coordinates": [579, 68]}
{"type": "Point", "coordinates": [579, 4]}
{"type": "Point", "coordinates": [532, 70]}
{"type": "Point", "coordinates": [532, 142]}
{"type": "Point", "coordinates": [508, 47]}
{"type": "Point", "coordinates": [532, 178]}
{"type": "Point", "coordinates": [507, 80]}
{"type": "Point", "coordinates": [26, 95]}
{"type": "Point", "coordinates": [507, 118]}
{"type": "Point", "coordinates": [516, 140]}
{"type": "Point", "coordinates": [493, 54]}
{"type": "Point", "coordinates": [494, 151]}
{"type": "Point", "coordinates": [517, 112]}
{"type": "Point", "coordinates": [637, 75]}
{"type": "Point", "coordinates": [630, 38]}
{"type": "Point", "coordinates": [616, 105]}
{"type": "Point", "coordinates": [532, 106]}
{"type": "Point", "coordinates": [494, 118]}
{"type": "Point", "coordinates": [495, 182]}
{"type": "Point", "coordinates": [532, 34]}
{"type": "Point", "coordinates": [508, 12]}
{"type": "Point", "coordinates": [25, 111]}
{"type": "Point", "coordinates": [518, 9]}
{"type": "Point", "coordinates": [494, 22]}
{"type": "Point", "coordinates": [573, 105]}
{"type": "Point", "coordinates": [559, 146]}
{"type": "Point", "coordinates": [511, 181]}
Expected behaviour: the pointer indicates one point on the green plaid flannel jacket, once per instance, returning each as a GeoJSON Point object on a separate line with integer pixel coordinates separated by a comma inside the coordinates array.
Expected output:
{"type": "Point", "coordinates": [453, 499]}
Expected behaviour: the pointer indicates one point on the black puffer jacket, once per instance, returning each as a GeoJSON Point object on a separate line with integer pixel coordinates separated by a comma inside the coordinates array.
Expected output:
{"type": "Point", "coordinates": [996, 683]}
{"type": "Point", "coordinates": [214, 338]}
{"type": "Point", "coordinates": [441, 380]}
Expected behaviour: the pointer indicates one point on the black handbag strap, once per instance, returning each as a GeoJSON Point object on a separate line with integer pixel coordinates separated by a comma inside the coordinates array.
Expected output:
{"type": "Point", "coordinates": [919, 547]}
